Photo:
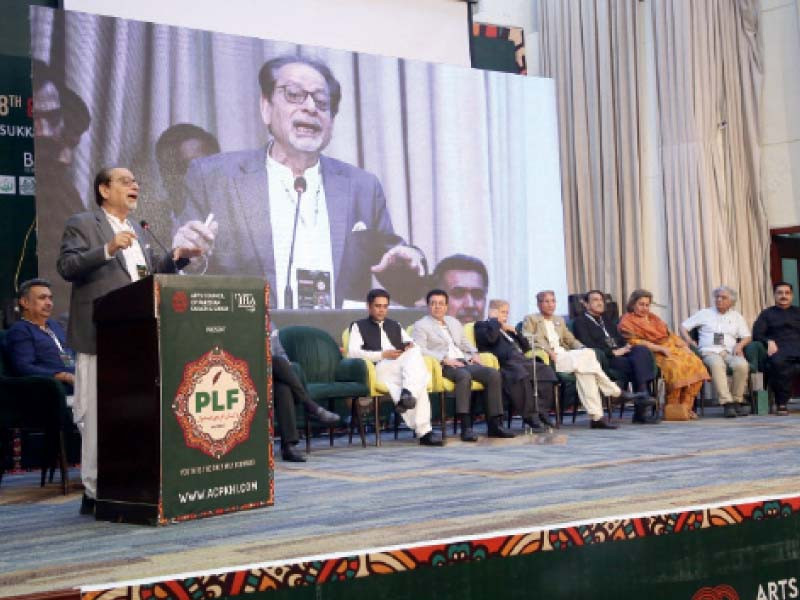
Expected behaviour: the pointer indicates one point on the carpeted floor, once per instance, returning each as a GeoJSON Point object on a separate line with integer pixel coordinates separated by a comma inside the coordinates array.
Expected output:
{"type": "Point", "coordinates": [349, 498]}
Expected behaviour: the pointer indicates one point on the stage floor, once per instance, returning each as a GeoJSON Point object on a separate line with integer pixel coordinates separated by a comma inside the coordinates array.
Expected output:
{"type": "Point", "coordinates": [350, 498]}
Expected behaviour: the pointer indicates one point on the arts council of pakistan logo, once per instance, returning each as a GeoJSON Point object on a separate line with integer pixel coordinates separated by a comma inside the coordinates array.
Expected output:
{"type": "Point", "coordinates": [215, 403]}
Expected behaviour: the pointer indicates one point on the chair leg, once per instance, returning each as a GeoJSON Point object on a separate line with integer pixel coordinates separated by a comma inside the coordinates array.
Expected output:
{"type": "Point", "coordinates": [376, 406]}
{"type": "Point", "coordinates": [353, 419]}
{"type": "Point", "coordinates": [331, 406]}
{"type": "Point", "coordinates": [574, 412]}
{"type": "Point", "coordinates": [443, 411]}
{"type": "Point", "coordinates": [396, 424]}
{"type": "Point", "coordinates": [557, 405]}
{"type": "Point", "coordinates": [455, 417]}
{"type": "Point", "coordinates": [50, 454]}
{"type": "Point", "coordinates": [62, 455]}
{"type": "Point", "coordinates": [308, 435]}
{"type": "Point", "coordinates": [361, 429]}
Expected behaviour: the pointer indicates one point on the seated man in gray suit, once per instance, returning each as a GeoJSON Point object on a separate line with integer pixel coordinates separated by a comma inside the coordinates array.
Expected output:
{"type": "Point", "coordinates": [291, 215]}
{"type": "Point", "coordinates": [442, 337]}
{"type": "Point", "coordinates": [102, 250]}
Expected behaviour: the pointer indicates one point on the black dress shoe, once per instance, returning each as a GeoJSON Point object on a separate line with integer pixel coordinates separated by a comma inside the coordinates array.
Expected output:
{"type": "Point", "coordinates": [729, 411]}
{"type": "Point", "coordinates": [534, 424]}
{"type": "Point", "coordinates": [602, 424]}
{"type": "Point", "coordinates": [87, 505]}
{"type": "Point", "coordinates": [496, 429]}
{"type": "Point", "coordinates": [468, 435]}
{"type": "Point", "coordinates": [406, 402]}
{"type": "Point", "coordinates": [642, 419]}
{"type": "Point", "coordinates": [546, 420]}
{"type": "Point", "coordinates": [325, 417]}
{"type": "Point", "coordinates": [636, 397]}
{"type": "Point", "coordinates": [431, 439]}
{"type": "Point", "coordinates": [289, 454]}
{"type": "Point", "coordinates": [742, 409]}
{"type": "Point", "coordinates": [644, 400]}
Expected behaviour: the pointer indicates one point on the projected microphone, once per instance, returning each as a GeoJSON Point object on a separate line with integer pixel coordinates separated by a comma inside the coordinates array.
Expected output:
{"type": "Point", "coordinates": [146, 226]}
{"type": "Point", "coordinates": [288, 294]}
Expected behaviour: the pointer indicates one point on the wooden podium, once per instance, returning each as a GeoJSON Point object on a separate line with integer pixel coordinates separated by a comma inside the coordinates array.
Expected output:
{"type": "Point", "coordinates": [184, 404]}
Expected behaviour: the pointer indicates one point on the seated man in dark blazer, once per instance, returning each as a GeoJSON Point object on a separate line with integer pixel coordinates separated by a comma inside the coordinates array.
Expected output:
{"type": "Point", "coordinates": [288, 389]}
{"type": "Point", "coordinates": [594, 329]}
{"type": "Point", "coordinates": [532, 398]}
{"type": "Point", "coordinates": [36, 344]}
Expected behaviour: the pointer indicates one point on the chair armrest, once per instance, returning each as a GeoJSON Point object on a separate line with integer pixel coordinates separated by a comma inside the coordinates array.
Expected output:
{"type": "Point", "coordinates": [538, 353]}
{"type": "Point", "coordinates": [602, 359]}
{"type": "Point", "coordinates": [756, 355]}
{"type": "Point", "coordinates": [489, 360]}
{"type": "Point", "coordinates": [33, 402]}
{"type": "Point", "coordinates": [437, 379]}
{"type": "Point", "coordinates": [353, 369]}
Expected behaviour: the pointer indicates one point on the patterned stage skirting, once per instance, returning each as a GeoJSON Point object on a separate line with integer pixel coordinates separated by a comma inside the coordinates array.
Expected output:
{"type": "Point", "coordinates": [750, 548]}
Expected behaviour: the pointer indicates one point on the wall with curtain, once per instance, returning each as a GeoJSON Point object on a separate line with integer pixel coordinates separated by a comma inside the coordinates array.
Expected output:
{"type": "Point", "coordinates": [780, 158]}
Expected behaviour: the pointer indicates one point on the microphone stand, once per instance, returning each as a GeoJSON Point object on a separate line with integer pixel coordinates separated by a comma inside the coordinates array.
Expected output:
{"type": "Point", "coordinates": [547, 428]}
{"type": "Point", "coordinates": [288, 293]}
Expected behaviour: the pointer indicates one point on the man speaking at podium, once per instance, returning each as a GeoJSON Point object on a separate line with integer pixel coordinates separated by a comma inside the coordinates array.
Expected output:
{"type": "Point", "coordinates": [101, 250]}
{"type": "Point", "coordinates": [316, 228]}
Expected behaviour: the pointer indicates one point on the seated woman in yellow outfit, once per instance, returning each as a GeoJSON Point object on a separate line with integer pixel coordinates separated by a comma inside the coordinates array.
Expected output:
{"type": "Point", "coordinates": [682, 370]}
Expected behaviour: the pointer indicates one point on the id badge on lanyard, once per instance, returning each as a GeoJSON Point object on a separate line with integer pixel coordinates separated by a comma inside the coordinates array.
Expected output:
{"type": "Point", "coordinates": [67, 359]}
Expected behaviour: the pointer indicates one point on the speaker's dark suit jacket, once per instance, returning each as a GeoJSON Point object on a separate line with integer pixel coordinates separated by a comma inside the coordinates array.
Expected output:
{"type": "Point", "coordinates": [82, 262]}
{"type": "Point", "coordinates": [234, 186]}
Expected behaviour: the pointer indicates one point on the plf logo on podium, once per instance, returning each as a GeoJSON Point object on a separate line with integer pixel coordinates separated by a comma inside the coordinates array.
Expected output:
{"type": "Point", "coordinates": [216, 402]}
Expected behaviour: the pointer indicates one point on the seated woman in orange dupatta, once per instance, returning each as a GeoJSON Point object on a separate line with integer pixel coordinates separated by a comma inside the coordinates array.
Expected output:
{"type": "Point", "coordinates": [682, 370]}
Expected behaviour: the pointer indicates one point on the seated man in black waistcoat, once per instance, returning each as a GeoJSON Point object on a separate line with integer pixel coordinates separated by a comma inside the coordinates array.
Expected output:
{"type": "Point", "coordinates": [398, 364]}
{"type": "Point", "coordinates": [532, 398]}
{"type": "Point", "coordinates": [594, 329]}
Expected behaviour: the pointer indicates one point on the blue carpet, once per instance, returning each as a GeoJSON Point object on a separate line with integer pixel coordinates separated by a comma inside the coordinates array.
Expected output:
{"type": "Point", "coordinates": [349, 498]}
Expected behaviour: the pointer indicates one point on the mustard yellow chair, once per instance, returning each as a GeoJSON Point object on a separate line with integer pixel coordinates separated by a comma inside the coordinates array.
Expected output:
{"type": "Point", "coordinates": [378, 391]}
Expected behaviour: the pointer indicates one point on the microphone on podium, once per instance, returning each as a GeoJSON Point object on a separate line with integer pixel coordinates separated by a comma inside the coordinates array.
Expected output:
{"type": "Point", "coordinates": [288, 293]}
{"type": "Point", "coordinates": [146, 226]}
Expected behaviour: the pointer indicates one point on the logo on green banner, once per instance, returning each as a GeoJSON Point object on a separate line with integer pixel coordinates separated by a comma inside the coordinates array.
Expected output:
{"type": "Point", "coordinates": [215, 403]}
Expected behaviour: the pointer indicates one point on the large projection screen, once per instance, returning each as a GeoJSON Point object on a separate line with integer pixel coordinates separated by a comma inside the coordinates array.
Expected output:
{"type": "Point", "coordinates": [446, 159]}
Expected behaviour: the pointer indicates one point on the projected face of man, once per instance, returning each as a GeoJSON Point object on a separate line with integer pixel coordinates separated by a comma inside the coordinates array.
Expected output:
{"type": "Point", "coordinates": [467, 292]}
{"type": "Point", "coordinates": [298, 115]}
{"type": "Point", "coordinates": [174, 163]}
